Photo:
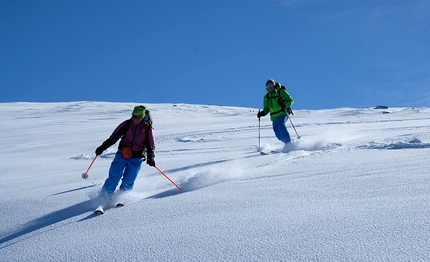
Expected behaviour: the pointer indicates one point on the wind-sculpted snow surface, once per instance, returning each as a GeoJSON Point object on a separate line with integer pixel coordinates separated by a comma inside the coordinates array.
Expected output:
{"type": "Point", "coordinates": [354, 187]}
{"type": "Point", "coordinates": [408, 144]}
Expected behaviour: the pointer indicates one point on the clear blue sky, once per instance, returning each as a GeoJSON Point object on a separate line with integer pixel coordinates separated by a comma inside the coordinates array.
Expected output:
{"type": "Point", "coordinates": [329, 53]}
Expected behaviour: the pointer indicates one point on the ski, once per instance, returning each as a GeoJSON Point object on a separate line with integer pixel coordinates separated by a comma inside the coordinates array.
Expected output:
{"type": "Point", "coordinates": [99, 211]}
{"type": "Point", "coordinates": [270, 153]}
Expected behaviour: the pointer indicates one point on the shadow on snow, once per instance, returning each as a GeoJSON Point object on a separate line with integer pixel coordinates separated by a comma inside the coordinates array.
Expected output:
{"type": "Point", "coordinates": [48, 220]}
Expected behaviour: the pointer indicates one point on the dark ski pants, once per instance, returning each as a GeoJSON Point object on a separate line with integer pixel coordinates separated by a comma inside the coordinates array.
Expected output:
{"type": "Point", "coordinates": [127, 168]}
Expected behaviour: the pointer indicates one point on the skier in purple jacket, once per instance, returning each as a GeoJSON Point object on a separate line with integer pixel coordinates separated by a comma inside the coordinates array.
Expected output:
{"type": "Point", "coordinates": [137, 144]}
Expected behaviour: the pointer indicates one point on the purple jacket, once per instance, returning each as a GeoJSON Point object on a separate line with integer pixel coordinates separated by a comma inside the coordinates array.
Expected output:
{"type": "Point", "coordinates": [136, 137]}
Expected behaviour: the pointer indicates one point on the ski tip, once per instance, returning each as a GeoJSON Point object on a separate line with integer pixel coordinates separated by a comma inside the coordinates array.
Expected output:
{"type": "Point", "coordinates": [119, 205]}
{"type": "Point", "coordinates": [99, 212]}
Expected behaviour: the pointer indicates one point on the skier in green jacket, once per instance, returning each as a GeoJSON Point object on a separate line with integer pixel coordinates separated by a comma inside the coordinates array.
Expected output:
{"type": "Point", "coordinates": [277, 102]}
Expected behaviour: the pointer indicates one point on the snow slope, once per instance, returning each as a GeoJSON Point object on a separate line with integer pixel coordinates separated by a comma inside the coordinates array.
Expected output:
{"type": "Point", "coordinates": [355, 187]}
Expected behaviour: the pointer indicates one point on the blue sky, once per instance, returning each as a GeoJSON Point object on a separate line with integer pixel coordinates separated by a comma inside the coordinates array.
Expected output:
{"type": "Point", "coordinates": [328, 53]}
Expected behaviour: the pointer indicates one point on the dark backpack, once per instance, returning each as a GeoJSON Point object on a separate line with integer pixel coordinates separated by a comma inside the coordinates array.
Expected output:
{"type": "Point", "coordinates": [288, 109]}
{"type": "Point", "coordinates": [147, 152]}
{"type": "Point", "coordinates": [281, 102]}
{"type": "Point", "coordinates": [147, 119]}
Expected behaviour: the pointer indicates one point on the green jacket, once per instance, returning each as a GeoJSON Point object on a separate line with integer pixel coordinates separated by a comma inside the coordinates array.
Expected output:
{"type": "Point", "coordinates": [272, 104]}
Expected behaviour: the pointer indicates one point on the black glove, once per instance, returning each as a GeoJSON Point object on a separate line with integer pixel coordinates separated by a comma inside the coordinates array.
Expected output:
{"type": "Point", "coordinates": [289, 111]}
{"type": "Point", "coordinates": [150, 161]}
{"type": "Point", "coordinates": [99, 150]}
{"type": "Point", "coordinates": [260, 114]}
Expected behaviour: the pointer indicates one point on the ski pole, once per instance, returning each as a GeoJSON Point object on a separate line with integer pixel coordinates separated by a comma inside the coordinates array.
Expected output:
{"type": "Point", "coordinates": [298, 137]}
{"type": "Point", "coordinates": [85, 175]}
{"type": "Point", "coordinates": [259, 147]}
{"type": "Point", "coordinates": [168, 178]}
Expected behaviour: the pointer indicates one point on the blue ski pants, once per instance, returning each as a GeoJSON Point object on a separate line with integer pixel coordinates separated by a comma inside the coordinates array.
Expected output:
{"type": "Point", "coordinates": [280, 129]}
{"type": "Point", "coordinates": [127, 168]}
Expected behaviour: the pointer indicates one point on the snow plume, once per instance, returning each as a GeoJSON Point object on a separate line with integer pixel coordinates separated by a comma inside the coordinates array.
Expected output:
{"type": "Point", "coordinates": [314, 144]}
{"type": "Point", "coordinates": [318, 142]}
{"type": "Point", "coordinates": [97, 197]}
{"type": "Point", "coordinates": [208, 176]}
{"type": "Point", "coordinates": [328, 139]}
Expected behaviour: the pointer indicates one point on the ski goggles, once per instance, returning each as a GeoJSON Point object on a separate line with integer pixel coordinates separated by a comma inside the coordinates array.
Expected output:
{"type": "Point", "coordinates": [270, 85]}
{"type": "Point", "coordinates": [146, 118]}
